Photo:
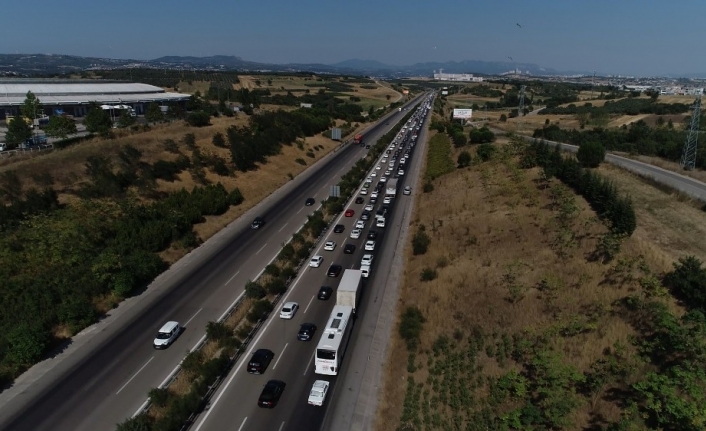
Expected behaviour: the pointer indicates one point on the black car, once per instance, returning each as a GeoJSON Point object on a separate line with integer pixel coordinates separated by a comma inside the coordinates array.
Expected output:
{"type": "Point", "coordinates": [372, 234]}
{"type": "Point", "coordinates": [349, 249]}
{"type": "Point", "coordinates": [306, 332]}
{"type": "Point", "coordinates": [310, 201]}
{"type": "Point", "coordinates": [257, 223]}
{"type": "Point", "coordinates": [334, 270]}
{"type": "Point", "coordinates": [260, 361]}
{"type": "Point", "coordinates": [271, 393]}
{"type": "Point", "coordinates": [325, 292]}
{"type": "Point", "coordinates": [367, 147]}
{"type": "Point", "coordinates": [365, 215]}
{"type": "Point", "coordinates": [338, 228]}
{"type": "Point", "coordinates": [359, 200]}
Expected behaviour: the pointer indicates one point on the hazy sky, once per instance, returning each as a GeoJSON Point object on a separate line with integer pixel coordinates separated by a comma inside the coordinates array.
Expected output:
{"type": "Point", "coordinates": [645, 37]}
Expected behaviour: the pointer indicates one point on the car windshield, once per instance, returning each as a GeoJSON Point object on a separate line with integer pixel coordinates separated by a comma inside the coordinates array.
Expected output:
{"type": "Point", "coordinates": [162, 336]}
{"type": "Point", "coordinates": [317, 393]}
{"type": "Point", "coordinates": [286, 309]}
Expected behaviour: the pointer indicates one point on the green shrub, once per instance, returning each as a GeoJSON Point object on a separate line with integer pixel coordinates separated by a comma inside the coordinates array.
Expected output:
{"type": "Point", "coordinates": [428, 274]}
{"type": "Point", "coordinates": [198, 119]}
{"type": "Point", "coordinates": [159, 396]}
{"type": "Point", "coordinates": [464, 159]}
{"type": "Point", "coordinates": [260, 310]}
{"type": "Point", "coordinates": [300, 161]}
{"type": "Point", "coordinates": [688, 282]}
{"type": "Point", "coordinates": [420, 242]}
{"type": "Point", "coordinates": [276, 286]}
{"type": "Point", "coordinates": [218, 332]}
{"type": "Point", "coordinates": [254, 290]}
{"type": "Point", "coordinates": [411, 325]}
{"type": "Point", "coordinates": [235, 197]}
{"type": "Point", "coordinates": [590, 154]}
{"type": "Point", "coordinates": [428, 187]}
{"type": "Point", "coordinates": [272, 270]}
{"type": "Point", "coordinates": [192, 361]}
{"type": "Point", "coordinates": [141, 422]}
{"type": "Point", "coordinates": [486, 151]}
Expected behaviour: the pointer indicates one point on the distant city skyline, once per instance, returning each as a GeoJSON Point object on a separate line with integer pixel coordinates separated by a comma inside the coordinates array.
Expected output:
{"type": "Point", "coordinates": [630, 37]}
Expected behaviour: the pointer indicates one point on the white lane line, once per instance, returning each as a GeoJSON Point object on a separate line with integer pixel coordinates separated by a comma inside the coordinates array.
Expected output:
{"type": "Point", "coordinates": [235, 372]}
{"type": "Point", "coordinates": [308, 365]}
{"type": "Point", "coordinates": [285, 225]}
{"type": "Point", "coordinates": [243, 424]}
{"type": "Point", "coordinates": [310, 301]}
{"type": "Point", "coordinates": [230, 279]}
{"type": "Point", "coordinates": [134, 375]}
{"type": "Point", "coordinates": [258, 252]}
{"type": "Point", "coordinates": [281, 426]}
{"type": "Point", "coordinates": [192, 317]}
{"type": "Point", "coordinates": [280, 356]}
{"type": "Point", "coordinates": [300, 210]}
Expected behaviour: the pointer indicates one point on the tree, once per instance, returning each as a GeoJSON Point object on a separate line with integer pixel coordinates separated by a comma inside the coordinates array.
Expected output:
{"type": "Point", "coordinates": [503, 118]}
{"type": "Point", "coordinates": [18, 131]}
{"type": "Point", "coordinates": [591, 154]}
{"type": "Point", "coordinates": [153, 114]}
{"type": "Point", "coordinates": [60, 127]}
{"type": "Point", "coordinates": [688, 282]}
{"type": "Point", "coordinates": [198, 119]}
{"type": "Point", "coordinates": [126, 120]}
{"type": "Point", "coordinates": [32, 107]}
{"type": "Point", "coordinates": [97, 120]}
{"type": "Point", "coordinates": [219, 140]}
{"type": "Point", "coordinates": [464, 159]}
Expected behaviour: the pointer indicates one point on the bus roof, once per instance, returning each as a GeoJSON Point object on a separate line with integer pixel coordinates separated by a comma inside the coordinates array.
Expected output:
{"type": "Point", "coordinates": [335, 328]}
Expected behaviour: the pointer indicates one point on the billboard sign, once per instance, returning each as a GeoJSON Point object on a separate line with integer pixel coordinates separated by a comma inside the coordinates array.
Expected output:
{"type": "Point", "coordinates": [463, 114]}
{"type": "Point", "coordinates": [336, 134]}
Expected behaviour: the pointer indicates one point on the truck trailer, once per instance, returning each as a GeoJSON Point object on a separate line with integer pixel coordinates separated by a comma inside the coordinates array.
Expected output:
{"type": "Point", "coordinates": [358, 139]}
{"type": "Point", "coordinates": [347, 293]}
{"type": "Point", "coordinates": [391, 190]}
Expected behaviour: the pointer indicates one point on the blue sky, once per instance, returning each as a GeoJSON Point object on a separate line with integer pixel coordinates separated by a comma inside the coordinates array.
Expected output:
{"type": "Point", "coordinates": [647, 37]}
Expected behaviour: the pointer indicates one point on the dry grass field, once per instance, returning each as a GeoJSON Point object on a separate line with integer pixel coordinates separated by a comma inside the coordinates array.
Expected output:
{"type": "Point", "coordinates": [512, 257]}
{"type": "Point", "coordinates": [67, 167]}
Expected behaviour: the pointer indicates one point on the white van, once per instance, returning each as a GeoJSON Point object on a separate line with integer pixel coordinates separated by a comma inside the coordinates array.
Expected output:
{"type": "Point", "coordinates": [380, 222]}
{"type": "Point", "coordinates": [166, 335]}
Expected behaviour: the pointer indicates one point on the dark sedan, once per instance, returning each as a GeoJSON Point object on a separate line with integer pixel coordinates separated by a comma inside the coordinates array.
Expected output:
{"type": "Point", "coordinates": [339, 228]}
{"type": "Point", "coordinates": [325, 292]}
{"type": "Point", "coordinates": [306, 332]}
{"type": "Point", "coordinates": [334, 270]}
{"type": "Point", "coordinates": [349, 249]}
{"type": "Point", "coordinates": [271, 393]}
{"type": "Point", "coordinates": [309, 202]}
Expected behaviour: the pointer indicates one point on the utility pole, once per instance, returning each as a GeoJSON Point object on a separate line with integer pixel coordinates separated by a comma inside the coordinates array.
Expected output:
{"type": "Point", "coordinates": [521, 108]}
{"type": "Point", "coordinates": [688, 158]}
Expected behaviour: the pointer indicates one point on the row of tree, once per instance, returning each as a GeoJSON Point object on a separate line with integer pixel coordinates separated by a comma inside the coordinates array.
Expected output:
{"type": "Point", "coordinates": [616, 209]}
{"type": "Point", "coordinates": [627, 106]}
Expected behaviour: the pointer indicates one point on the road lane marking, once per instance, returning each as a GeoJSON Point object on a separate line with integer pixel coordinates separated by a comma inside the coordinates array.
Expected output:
{"type": "Point", "coordinates": [258, 252]}
{"type": "Point", "coordinates": [280, 356]}
{"type": "Point", "coordinates": [134, 375]}
{"type": "Point", "coordinates": [300, 210]}
{"type": "Point", "coordinates": [243, 424]}
{"type": "Point", "coordinates": [230, 279]}
{"type": "Point", "coordinates": [253, 343]}
{"type": "Point", "coordinates": [192, 317]}
{"type": "Point", "coordinates": [285, 225]}
{"type": "Point", "coordinates": [310, 301]}
{"type": "Point", "coordinates": [308, 365]}
{"type": "Point", "coordinates": [281, 426]}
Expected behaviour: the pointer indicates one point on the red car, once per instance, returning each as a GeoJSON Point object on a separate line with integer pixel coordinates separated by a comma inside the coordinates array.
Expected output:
{"type": "Point", "coordinates": [350, 213]}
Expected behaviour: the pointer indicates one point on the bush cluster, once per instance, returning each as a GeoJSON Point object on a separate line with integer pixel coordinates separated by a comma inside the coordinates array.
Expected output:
{"type": "Point", "coordinates": [600, 193]}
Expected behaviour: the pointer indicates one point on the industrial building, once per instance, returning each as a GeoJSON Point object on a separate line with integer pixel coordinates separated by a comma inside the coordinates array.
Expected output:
{"type": "Point", "coordinates": [463, 77]}
{"type": "Point", "coordinates": [72, 97]}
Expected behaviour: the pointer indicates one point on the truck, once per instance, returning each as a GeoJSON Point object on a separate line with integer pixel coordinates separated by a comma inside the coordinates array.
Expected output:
{"type": "Point", "coordinates": [358, 139]}
{"type": "Point", "coordinates": [391, 190]}
{"type": "Point", "coordinates": [347, 293]}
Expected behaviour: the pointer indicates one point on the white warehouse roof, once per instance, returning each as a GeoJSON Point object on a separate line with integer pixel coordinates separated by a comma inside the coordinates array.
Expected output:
{"type": "Point", "coordinates": [58, 92]}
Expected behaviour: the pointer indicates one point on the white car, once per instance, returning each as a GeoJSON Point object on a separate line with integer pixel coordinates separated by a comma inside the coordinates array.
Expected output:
{"type": "Point", "coordinates": [360, 224]}
{"type": "Point", "coordinates": [384, 159]}
{"type": "Point", "coordinates": [317, 396]}
{"type": "Point", "coordinates": [388, 172]}
{"type": "Point", "coordinates": [316, 261]}
{"type": "Point", "coordinates": [380, 222]}
{"type": "Point", "coordinates": [330, 245]}
{"type": "Point", "coordinates": [378, 167]}
{"type": "Point", "coordinates": [288, 310]}
{"type": "Point", "coordinates": [383, 180]}
{"type": "Point", "coordinates": [365, 271]}
{"type": "Point", "coordinates": [368, 207]}
{"type": "Point", "coordinates": [373, 174]}
{"type": "Point", "coordinates": [364, 191]}
{"type": "Point", "coordinates": [367, 260]}
{"type": "Point", "coordinates": [400, 172]}
{"type": "Point", "coordinates": [387, 200]}
{"type": "Point", "coordinates": [374, 194]}
{"type": "Point", "coordinates": [369, 245]}
{"type": "Point", "coordinates": [407, 190]}
{"type": "Point", "coordinates": [355, 233]}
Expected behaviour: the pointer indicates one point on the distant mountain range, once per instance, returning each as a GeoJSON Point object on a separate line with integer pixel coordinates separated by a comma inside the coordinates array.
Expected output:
{"type": "Point", "coordinates": [45, 64]}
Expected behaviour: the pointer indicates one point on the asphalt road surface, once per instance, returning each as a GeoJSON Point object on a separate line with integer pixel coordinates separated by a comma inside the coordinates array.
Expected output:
{"type": "Point", "coordinates": [106, 379]}
{"type": "Point", "coordinates": [234, 406]}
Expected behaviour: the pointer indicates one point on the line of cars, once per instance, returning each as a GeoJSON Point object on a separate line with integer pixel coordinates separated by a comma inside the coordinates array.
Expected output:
{"type": "Point", "coordinates": [261, 359]}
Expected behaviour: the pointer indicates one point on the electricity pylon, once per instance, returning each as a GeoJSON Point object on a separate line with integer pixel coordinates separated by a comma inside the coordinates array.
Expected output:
{"type": "Point", "coordinates": [688, 157]}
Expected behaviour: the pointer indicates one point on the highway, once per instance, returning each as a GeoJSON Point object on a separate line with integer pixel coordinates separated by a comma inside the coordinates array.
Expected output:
{"type": "Point", "coordinates": [108, 373]}
{"type": "Point", "coordinates": [234, 406]}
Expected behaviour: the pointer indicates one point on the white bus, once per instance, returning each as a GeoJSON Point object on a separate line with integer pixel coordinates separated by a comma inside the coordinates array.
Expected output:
{"type": "Point", "coordinates": [334, 340]}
